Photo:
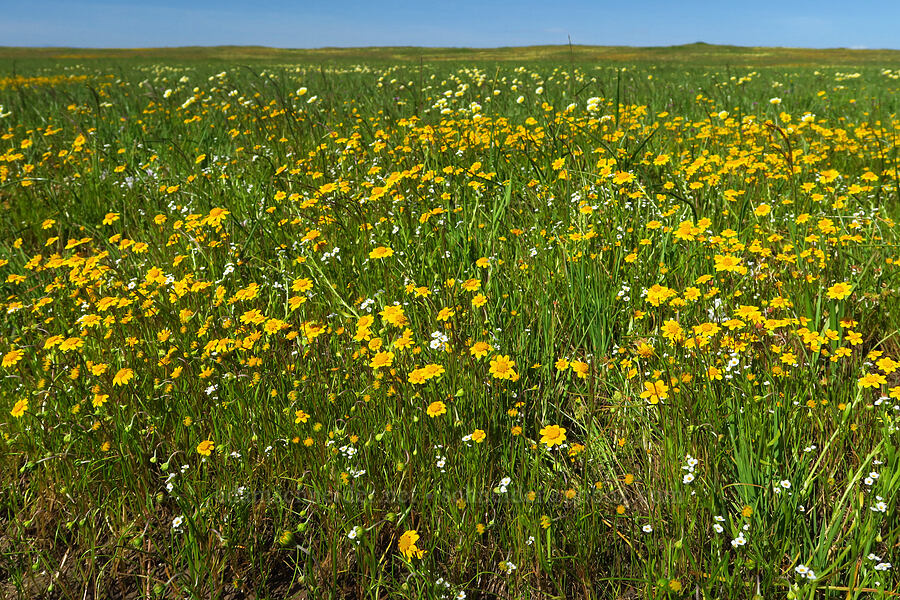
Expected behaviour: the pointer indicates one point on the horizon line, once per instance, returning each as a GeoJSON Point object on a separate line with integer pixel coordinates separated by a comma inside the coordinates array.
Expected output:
{"type": "Point", "coordinates": [413, 47]}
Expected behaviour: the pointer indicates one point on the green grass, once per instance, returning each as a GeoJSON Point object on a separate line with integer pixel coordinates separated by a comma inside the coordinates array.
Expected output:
{"type": "Point", "coordinates": [698, 53]}
{"type": "Point", "coordinates": [208, 221]}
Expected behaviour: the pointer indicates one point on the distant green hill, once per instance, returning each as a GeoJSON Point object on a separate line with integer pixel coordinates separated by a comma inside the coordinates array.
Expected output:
{"type": "Point", "coordinates": [696, 53]}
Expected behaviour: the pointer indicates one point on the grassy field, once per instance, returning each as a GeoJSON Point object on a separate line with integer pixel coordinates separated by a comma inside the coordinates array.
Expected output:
{"type": "Point", "coordinates": [541, 323]}
{"type": "Point", "coordinates": [698, 54]}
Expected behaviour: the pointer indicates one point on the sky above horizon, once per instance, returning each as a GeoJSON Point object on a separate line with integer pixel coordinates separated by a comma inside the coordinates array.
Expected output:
{"type": "Point", "coordinates": [354, 23]}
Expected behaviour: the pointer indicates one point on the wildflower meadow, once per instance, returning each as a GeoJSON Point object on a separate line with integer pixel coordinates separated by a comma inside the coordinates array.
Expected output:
{"type": "Point", "coordinates": [488, 328]}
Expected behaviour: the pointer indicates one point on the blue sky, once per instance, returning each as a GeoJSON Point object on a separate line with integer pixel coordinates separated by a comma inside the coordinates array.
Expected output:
{"type": "Point", "coordinates": [314, 24]}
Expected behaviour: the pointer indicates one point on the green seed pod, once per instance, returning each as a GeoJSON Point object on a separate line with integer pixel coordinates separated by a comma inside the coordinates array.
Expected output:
{"type": "Point", "coordinates": [286, 538]}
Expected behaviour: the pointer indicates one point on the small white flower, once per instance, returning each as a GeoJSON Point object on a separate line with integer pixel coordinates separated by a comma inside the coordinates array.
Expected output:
{"type": "Point", "coordinates": [718, 528]}
{"type": "Point", "coordinates": [883, 566]}
{"type": "Point", "coordinates": [689, 477]}
{"type": "Point", "coordinates": [802, 570]}
{"type": "Point", "coordinates": [647, 528]}
{"type": "Point", "coordinates": [177, 522]}
{"type": "Point", "coordinates": [785, 484]}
